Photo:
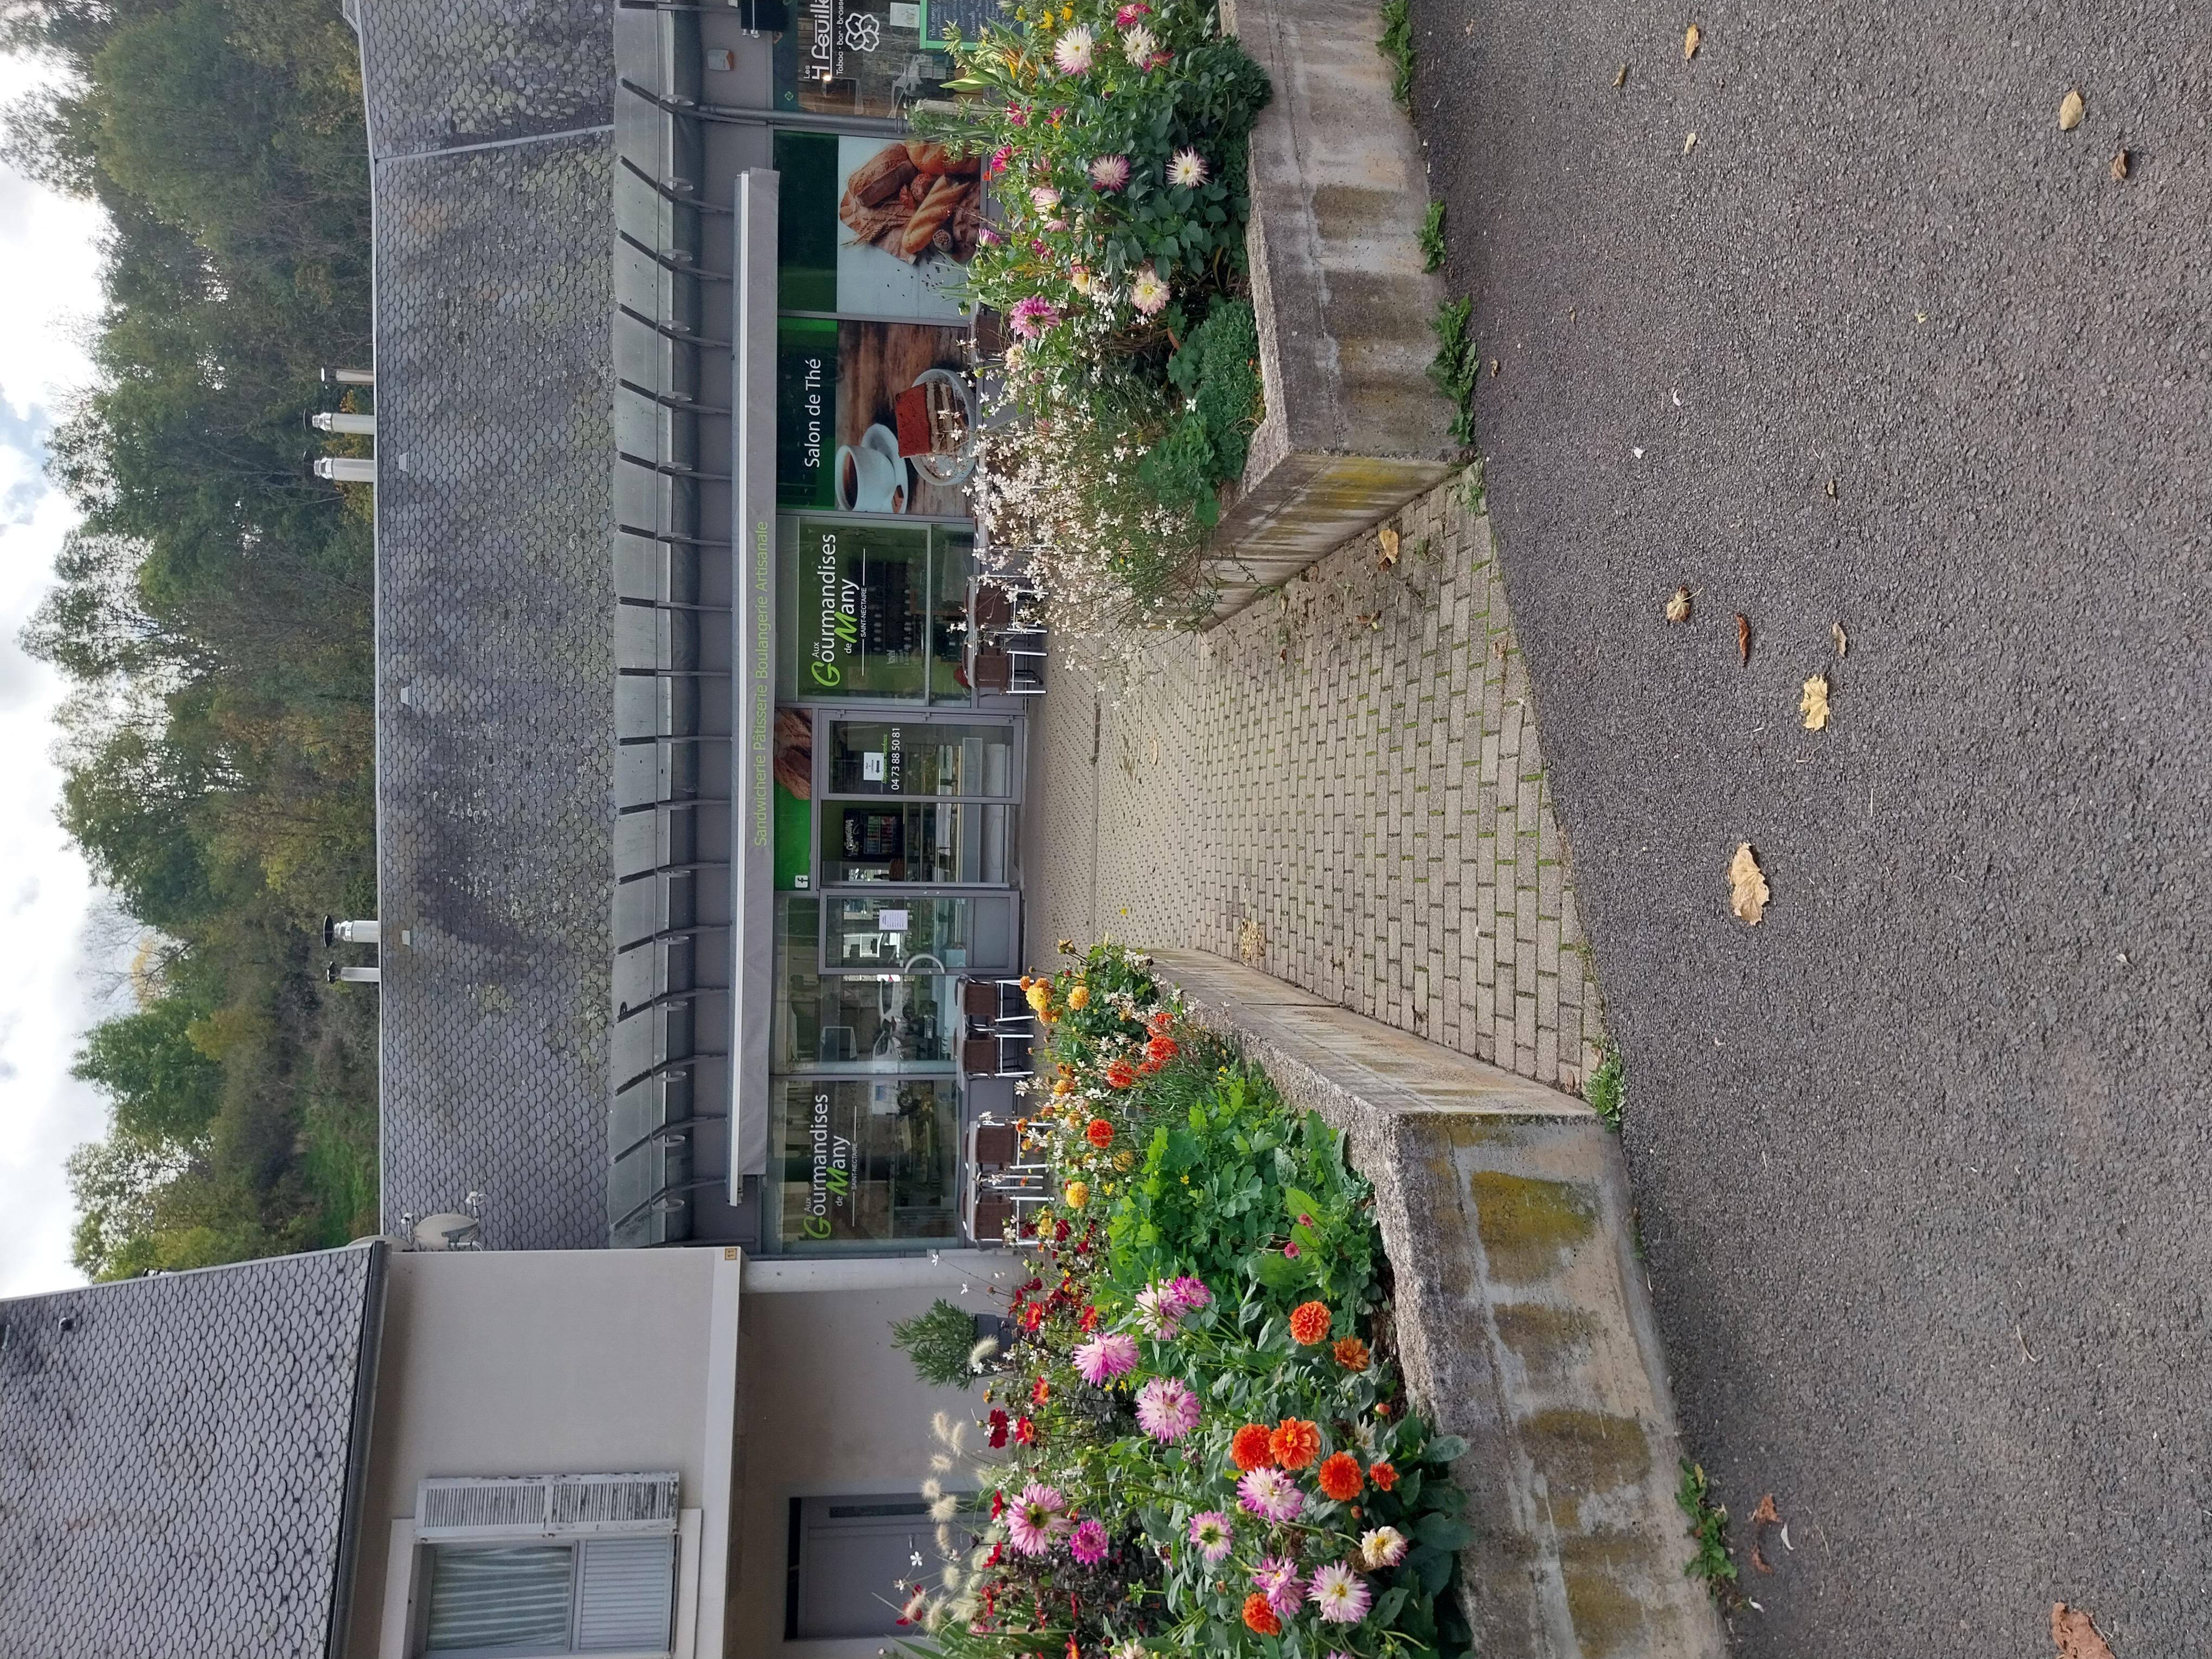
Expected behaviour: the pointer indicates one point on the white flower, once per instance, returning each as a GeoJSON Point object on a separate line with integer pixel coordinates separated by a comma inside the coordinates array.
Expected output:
{"type": "Point", "coordinates": [1187, 170]}
{"type": "Point", "coordinates": [1073, 50]}
{"type": "Point", "coordinates": [1148, 293]}
{"type": "Point", "coordinates": [1140, 43]}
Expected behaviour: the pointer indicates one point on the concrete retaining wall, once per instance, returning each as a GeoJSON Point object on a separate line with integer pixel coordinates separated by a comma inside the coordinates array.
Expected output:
{"type": "Point", "coordinates": [1353, 429]}
{"type": "Point", "coordinates": [1522, 1319]}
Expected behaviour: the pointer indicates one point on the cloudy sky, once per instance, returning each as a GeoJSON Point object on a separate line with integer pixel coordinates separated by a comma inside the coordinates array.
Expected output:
{"type": "Point", "coordinates": [49, 991]}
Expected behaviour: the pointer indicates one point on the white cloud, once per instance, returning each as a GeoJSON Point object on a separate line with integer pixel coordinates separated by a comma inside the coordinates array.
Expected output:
{"type": "Point", "coordinates": [50, 991]}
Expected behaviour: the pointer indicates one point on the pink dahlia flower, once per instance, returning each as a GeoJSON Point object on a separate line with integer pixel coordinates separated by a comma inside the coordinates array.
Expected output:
{"type": "Point", "coordinates": [1088, 1546]}
{"type": "Point", "coordinates": [1385, 1546]}
{"type": "Point", "coordinates": [1277, 1580]}
{"type": "Point", "coordinates": [1030, 318]}
{"type": "Point", "coordinates": [1341, 1595]}
{"type": "Point", "coordinates": [1102, 1359]}
{"type": "Point", "coordinates": [1034, 1521]}
{"type": "Point", "coordinates": [1129, 15]}
{"type": "Point", "coordinates": [1166, 1409]}
{"type": "Point", "coordinates": [1270, 1494]}
{"type": "Point", "coordinates": [1188, 1294]}
{"type": "Point", "coordinates": [1210, 1531]}
{"type": "Point", "coordinates": [1110, 172]}
{"type": "Point", "coordinates": [1148, 293]}
{"type": "Point", "coordinates": [1157, 1317]}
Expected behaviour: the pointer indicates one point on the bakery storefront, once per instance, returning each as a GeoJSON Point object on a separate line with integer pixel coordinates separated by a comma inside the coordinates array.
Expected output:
{"type": "Point", "coordinates": [894, 780]}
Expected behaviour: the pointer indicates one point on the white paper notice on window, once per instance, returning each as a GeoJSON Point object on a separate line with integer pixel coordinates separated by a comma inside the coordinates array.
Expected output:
{"type": "Point", "coordinates": [905, 14]}
{"type": "Point", "coordinates": [890, 921]}
{"type": "Point", "coordinates": [873, 766]}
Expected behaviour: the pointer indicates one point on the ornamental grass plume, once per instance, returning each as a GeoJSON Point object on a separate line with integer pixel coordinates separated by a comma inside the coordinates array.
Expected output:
{"type": "Point", "coordinates": [1102, 1359]}
{"type": "Point", "coordinates": [1310, 1323]}
{"type": "Point", "coordinates": [1295, 1443]}
{"type": "Point", "coordinates": [1339, 1477]}
{"type": "Point", "coordinates": [1034, 1521]}
{"type": "Point", "coordinates": [1259, 1618]}
{"type": "Point", "coordinates": [1210, 1531]}
{"type": "Point", "coordinates": [1271, 1495]}
{"type": "Point", "coordinates": [1166, 1408]}
{"type": "Point", "coordinates": [1249, 1447]}
{"type": "Point", "coordinates": [1341, 1595]}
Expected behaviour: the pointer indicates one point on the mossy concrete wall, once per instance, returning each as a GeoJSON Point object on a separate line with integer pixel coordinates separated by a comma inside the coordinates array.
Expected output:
{"type": "Point", "coordinates": [1522, 1319]}
{"type": "Point", "coordinates": [1353, 429]}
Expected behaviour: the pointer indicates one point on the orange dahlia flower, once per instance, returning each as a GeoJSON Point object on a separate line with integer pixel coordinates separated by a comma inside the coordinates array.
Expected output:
{"type": "Point", "coordinates": [1309, 1322]}
{"type": "Point", "coordinates": [1100, 1133]}
{"type": "Point", "coordinates": [1294, 1443]}
{"type": "Point", "coordinates": [1259, 1618]}
{"type": "Point", "coordinates": [1249, 1447]}
{"type": "Point", "coordinates": [1339, 1477]}
{"type": "Point", "coordinates": [1119, 1074]}
{"type": "Point", "coordinates": [1383, 1476]}
{"type": "Point", "coordinates": [1352, 1354]}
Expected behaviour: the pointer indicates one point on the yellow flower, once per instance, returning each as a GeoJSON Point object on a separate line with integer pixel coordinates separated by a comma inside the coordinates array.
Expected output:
{"type": "Point", "coordinates": [1186, 1180]}
{"type": "Point", "coordinates": [1066, 14]}
{"type": "Point", "coordinates": [1079, 997]}
{"type": "Point", "coordinates": [1064, 1086]}
{"type": "Point", "coordinates": [1077, 1194]}
{"type": "Point", "coordinates": [1039, 996]}
{"type": "Point", "coordinates": [1123, 1160]}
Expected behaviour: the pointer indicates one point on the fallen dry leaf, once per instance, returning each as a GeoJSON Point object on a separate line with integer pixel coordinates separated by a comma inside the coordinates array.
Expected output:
{"type": "Point", "coordinates": [1747, 893]}
{"type": "Point", "coordinates": [1690, 40]}
{"type": "Point", "coordinates": [1689, 144]}
{"type": "Point", "coordinates": [1388, 556]}
{"type": "Point", "coordinates": [1493, 367]}
{"type": "Point", "coordinates": [1743, 636]}
{"type": "Point", "coordinates": [1843, 640]}
{"type": "Point", "coordinates": [2075, 1635]}
{"type": "Point", "coordinates": [1620, 75]}
{"type": "Point", "coordinates": [2069, 111]}
{"type": "Point", "coordinates": [1678, 607]}
{"type": "Point", "coordinates": [1831, 490]}
{"type": "Point", "coordinates": [2119, 166]}
{"type": "Point", "coordinates": [1813, 704]}
{"type": "Point", "coordinates": [1765, 1515]}
{"type": "Point", "coordinates": [1372, 618]}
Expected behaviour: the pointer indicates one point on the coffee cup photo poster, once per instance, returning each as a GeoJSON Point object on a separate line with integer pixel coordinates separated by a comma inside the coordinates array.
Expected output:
{"type": "Point", "coordinates": [869, 231]}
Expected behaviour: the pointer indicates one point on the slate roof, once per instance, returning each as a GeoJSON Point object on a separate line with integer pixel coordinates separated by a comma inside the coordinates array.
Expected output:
{"type": "Point", "coordinates": [495, 606]}
{"type": "Point", "coordinates": [176, 1466]}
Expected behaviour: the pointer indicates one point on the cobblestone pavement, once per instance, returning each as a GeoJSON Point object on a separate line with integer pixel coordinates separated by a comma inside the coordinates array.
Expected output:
{"type": "Point", "coordinates": [1344, 786]}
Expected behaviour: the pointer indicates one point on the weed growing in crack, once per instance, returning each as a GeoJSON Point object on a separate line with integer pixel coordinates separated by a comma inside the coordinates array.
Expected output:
{"type": "Point", "coordinates": [1397, 45]}
{"type": "Point", "coordinates": [1607, 1090]}
{"type": "Point", "coordinates": [1432, 237]}
{"type": "Point", "coordinates": [1708, 1531]}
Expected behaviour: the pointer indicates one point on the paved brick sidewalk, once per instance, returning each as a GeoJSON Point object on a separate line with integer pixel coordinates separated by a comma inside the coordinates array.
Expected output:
{"type": "Point", "coordinates": [1343, 785]}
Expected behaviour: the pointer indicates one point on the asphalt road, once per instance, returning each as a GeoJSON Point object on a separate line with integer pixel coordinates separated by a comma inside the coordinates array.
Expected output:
{"type": "Point", "coordinates": [1922, 1158]}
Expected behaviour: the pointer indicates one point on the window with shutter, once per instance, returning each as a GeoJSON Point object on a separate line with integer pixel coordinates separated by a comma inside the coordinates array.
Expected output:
{"type": "Point", "coordinates": [519, 1567]}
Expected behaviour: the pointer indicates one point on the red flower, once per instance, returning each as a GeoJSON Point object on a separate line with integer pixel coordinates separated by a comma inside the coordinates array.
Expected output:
{"type": "Point", "coordinates": [997, 1504]}
{"type": "Point", "coordinates": [1100, 1133]}
{"type": "Point", "coordinates": [1295, 1443]}
{"type": "Point", "coordinates": [1163, 1047]}
{"type": "Point", "coordinates": [1309, 1322]}
{"type": "Point", "coordinates": [1259, 1618]}
{"type": "Point", "coordinates": [992, 1559]}
{"type": "Point", "coordinates": [999, 1424]}
{"type": "Point", "coordinates": [1032, 1317]}
{"type": "Point", "coordinates": [1024, 1432]}
{"type": "Point", "coordinates": [1041, 1391]}
{"type": "Point", "coordinates": [1339, 1476]}
{"type": "Point", "coordinates": [1383, 1476]}
{"type": "Point", "coordinates": [1249, 1447]}
{"type": "Point", "coordinates": [1119, 1074]}
{"type": "Point", "coordinates": [1088, 1320]}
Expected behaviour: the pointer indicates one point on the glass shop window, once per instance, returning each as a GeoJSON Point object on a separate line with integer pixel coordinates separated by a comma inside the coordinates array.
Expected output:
{"type": "Point", "coordinates": [861, 614]}
{"type": "Point", "coordinates": [906, 757]}
{"type": "Point", "coordinates": [864, 1160]}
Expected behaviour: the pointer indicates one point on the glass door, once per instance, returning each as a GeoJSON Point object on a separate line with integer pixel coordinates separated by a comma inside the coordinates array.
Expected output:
{"type": "Point", "coordinates": [900, 931]}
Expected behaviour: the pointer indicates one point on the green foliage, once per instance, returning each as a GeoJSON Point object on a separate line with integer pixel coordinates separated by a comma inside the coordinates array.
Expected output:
{"type": "Point", "coordinates": [1432, 237]}
{"type": "Point", "coordinates": [1607, 1090]}
{"type": "Point", "coordinates": [1458, 364]}
{"type": "Point", "coordinates": [941, 1342]}
{"type": "Point", "coordinates": [1397, 45]}
{"type": "Point", "coordinates": [1217, 373]}
{"type": "Point", "coordinates": [1708, 1531]}
{"type": "Point", "coordinates": [213, 612]}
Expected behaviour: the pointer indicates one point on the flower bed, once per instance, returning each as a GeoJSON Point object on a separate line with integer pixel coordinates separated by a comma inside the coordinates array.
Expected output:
{"type": "Point", "coordinates": [1114, 142]}
{"type": "Point", "coordinates": [1195, 1437]}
